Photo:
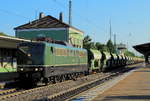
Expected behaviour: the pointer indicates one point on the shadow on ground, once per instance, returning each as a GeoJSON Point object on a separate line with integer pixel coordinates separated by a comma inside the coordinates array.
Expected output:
{"type": "Point", "coordinates": [130, 97]}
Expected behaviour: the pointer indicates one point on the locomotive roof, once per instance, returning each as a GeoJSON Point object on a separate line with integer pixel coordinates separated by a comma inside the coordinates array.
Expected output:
{"type": "Point", "coordinates": [55, 45]}
{"type": "Point", "coordinates": [63, 46]}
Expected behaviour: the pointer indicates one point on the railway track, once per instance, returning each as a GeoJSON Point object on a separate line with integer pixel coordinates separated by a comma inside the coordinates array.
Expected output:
{"type": "Point", "coordinates": [7, 91]}
{"type": "Point", "coordinates": [59, 91]}
{"type": "Point", "coordinates": [76, 90]}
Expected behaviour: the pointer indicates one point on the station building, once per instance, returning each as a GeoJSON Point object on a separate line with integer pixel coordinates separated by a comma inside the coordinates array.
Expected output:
{"type": "Point", "coordinates": [121, 48]}
{"type": "Point", "coordinates": [8, 57]}
{"type": "Point", "coordinates": [50, 27]}
{"type": "Point", "coordinates": [8, 48]}
{"type": "Point", "coordinates": [145, 50]}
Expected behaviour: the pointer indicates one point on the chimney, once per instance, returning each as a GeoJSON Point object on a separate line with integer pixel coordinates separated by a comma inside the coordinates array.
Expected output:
{"type": "Point", "coordinates": [41, 15]}
{"type": "Point", "coordinates": [61, 16]}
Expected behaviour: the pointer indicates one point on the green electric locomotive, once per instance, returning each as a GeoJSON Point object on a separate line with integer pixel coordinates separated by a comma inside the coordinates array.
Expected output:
{"type": "Point", "coordinates": [42, 61]}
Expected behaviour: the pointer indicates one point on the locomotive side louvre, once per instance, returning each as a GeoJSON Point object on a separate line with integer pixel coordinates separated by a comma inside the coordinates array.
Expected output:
{"type": "Point", "coordinates": [65, 60]}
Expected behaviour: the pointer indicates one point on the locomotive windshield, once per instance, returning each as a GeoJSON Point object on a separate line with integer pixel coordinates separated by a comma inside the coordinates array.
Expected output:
{"type": "Point", "coordinates": [24, 49]}
{"type": "Point", "coordinates": [32, 52]}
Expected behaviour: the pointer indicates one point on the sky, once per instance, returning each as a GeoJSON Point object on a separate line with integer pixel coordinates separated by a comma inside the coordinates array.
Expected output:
{"type": "Point", "coordinates": [130, 19]}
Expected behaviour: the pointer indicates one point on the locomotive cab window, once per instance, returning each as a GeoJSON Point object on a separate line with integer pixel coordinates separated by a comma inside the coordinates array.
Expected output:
{"type": "Point", "coordinates": [24, 48]}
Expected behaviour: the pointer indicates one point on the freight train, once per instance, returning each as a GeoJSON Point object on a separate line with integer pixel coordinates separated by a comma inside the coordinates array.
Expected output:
{"type": "Point", "coordinates": [43, 61]}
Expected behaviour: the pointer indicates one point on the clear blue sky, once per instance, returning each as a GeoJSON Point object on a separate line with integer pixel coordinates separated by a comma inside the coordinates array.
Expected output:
{"type": "Point", "coordinates": [130, 18]}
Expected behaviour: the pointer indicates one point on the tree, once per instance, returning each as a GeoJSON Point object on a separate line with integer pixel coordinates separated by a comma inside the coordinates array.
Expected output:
{"type": "Point", "coordinates": [3, 34]}
{"type": "Point", "coordinates": [92, 45]}
{"type": "Point", "coordinates": [104, 48]}
{"type": "Point", "coordinates": [110, 46]}
{"type": "Point", "coordinates": [86, 42]}
{"type": "Point", "coordinates": [101, 47]}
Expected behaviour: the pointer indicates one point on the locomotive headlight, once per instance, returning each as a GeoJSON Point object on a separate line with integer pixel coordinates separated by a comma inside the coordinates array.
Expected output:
{"type": "Point", "coordinates": [21, 69]}
{"type": "Point", "coordinates": [36, 69]}
{"type": "Point", "coordinates": [29, 55]}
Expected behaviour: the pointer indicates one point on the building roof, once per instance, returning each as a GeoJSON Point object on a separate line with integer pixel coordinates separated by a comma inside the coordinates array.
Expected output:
{"type": "Point", "coordinates": [143, 48]}
{"type": "Point", "coordinates": [45, 22]}
{"type": "Point", "coordinates": [121, 46]}
{"type": "Point", "coordinates": [10, 42]}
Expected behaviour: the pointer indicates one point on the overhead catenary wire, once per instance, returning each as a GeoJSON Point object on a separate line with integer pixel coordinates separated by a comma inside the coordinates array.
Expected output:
{"type": "Point", "coordinates": [13, 13]}
{"type": "Point", "coordinates": [85, 19]}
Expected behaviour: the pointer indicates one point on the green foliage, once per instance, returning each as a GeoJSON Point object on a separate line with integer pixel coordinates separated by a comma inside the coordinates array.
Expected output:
{"type": "Point", "coordinates": [111, 47]}
{"type": "Point", "coordinates": [101, 47]}
{"type": "Point", "coordinates": [104, 48]}
{"type": "Point", "coordinates": [128, 53]}
{"type": "Point", "coordinates": [98, 45]}
{"type": "Point", "coordinates": [88, 44]}
{"type": "Point", "coordinates": [141, 56]}
{"type": "Point", "coordinates": [3, 34]}
{"type": "Point", "coordinates": [92, 45]}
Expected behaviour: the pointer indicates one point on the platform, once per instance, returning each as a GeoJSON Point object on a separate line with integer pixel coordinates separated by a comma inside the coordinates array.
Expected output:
{"type": "Point", "coordinates": [7, 78]}
{"type": "Point", "coordinates": [135, 87]}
